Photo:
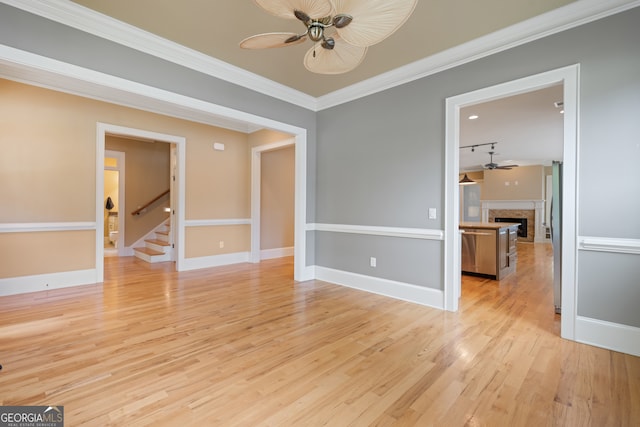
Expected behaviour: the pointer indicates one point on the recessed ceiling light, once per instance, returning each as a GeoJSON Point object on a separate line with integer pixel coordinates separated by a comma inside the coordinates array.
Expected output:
{"type": "Point", "coordinates": [473, 117]}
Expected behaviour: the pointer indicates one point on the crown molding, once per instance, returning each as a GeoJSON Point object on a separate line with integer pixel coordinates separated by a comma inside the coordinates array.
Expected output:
{"type": "Point", "coordinates": [76, 16]}
{"type": "Point", "coordinates": [97, 24]}
{"type": "Point", "coordinates": [572, 15]}
{"type": "Point", "coordinates": [33, 69]}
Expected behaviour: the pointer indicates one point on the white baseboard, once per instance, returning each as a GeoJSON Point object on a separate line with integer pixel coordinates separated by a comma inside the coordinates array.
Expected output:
{"type": "Point", "coordinates": [276, 253]}
{"type": "Point", "coordinates": [46, 282]}
{"type": "Point", "coordinates": [398, 290]}
{"type": "Point", "coordinates": [612, 336]}
{"type": "Point", "coordinates": [307, 273]}
{"type": "Point", "coordinates": [214, 261]}
{"type": "Point", "coordinates": [127, 251]}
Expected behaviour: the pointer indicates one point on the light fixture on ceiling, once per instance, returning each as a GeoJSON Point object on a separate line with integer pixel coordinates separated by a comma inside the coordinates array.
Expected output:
{"type": "Point", "coordinates": [473, 117]}
{"type": "Point", "coordinates": [560, 105]}
{"type": "Point", "coordinates": [474, 146]}
{"type": "Point", "coordinates": [341, 30]}
{"type": "Point", "coordinates": [466, 180]}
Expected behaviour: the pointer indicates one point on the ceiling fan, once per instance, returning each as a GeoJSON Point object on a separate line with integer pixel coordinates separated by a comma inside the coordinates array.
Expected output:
{"type": "Point", "coordinates": [341, 30]}
{"type": "Point", "coordinates": [491, 165]}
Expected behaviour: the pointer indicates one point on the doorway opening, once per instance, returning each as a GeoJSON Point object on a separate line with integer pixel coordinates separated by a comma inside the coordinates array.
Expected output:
{"type": "Point", "coordinates": [146, 215]}
{"type": "Point", "coordinates": [522, 136]}
{"type": "Point", "coordinates": [114, 192]}
{"type": "Point", "coordinates": [283, 221]}
{"type": "Point", "coordinates": [175, 171]}
{"type": "Point", "coordinates": [568, 78]}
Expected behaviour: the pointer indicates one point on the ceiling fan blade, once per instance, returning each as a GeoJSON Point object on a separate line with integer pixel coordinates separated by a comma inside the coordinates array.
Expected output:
{"type": "Point", "coordinates": [315, 9]}
{"type": "Point", "coordinates": [270, 40]}
{"type": "Point", "coordinates": [373, 20]}
{"type": "Point", "coordinates": [341, 21]}
{"type": "Point", "coordinates": [342, 58]}
{"type": "Point", "coordinates": [301, 16]}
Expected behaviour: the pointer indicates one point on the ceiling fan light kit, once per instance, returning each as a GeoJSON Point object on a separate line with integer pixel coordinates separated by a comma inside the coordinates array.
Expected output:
{"type": "Point", "coordinates": [341, 30]}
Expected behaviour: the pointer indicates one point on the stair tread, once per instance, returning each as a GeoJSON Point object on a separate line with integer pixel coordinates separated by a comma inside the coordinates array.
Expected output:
{"type": "Point", "coordinates": [148, 251]}
{"type": "Point", "coordinates": [158, 242]}
{"type": "Point", "coordinates": [166, 233]}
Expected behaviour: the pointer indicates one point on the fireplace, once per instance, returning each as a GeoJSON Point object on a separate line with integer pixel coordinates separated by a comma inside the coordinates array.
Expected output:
{"type": "Point", "coordinates": [515, 211]}
{"type": "Point", "coordinates": [522, 230]}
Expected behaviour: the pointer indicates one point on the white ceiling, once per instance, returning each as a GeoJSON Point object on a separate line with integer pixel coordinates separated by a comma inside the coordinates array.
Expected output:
{"type": "Point", "coordinates": [527, 128]}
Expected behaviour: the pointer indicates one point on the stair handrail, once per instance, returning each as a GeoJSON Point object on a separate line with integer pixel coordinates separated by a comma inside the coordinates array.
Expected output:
{"type": "Point", "coordinates": [146, 205]}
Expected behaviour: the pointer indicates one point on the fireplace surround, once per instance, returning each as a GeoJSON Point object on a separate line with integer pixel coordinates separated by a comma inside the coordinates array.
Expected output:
{"type": "Point", "coordinates": [532, 210]}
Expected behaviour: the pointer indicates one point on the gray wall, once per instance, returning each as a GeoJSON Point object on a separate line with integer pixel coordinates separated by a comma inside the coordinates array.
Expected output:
{"type": "Point", "coordinates": [380, 161]}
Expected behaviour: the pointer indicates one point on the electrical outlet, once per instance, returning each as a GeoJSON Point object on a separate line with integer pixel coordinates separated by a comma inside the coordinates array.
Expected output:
{"type": "Point", "coordinates": [221, 244]}
{"type": "Point", "coordinates": [433, 213]}
{"type": "Point", "coordinates": [373, 262]}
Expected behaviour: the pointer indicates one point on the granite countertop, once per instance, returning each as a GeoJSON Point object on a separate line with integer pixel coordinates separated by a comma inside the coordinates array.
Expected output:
{"type": "Point", "coordinates": [488, 225]}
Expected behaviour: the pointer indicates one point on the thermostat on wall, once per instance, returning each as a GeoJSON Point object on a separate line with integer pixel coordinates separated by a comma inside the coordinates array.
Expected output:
{"type": "Point", "coordinates": [218, 146]}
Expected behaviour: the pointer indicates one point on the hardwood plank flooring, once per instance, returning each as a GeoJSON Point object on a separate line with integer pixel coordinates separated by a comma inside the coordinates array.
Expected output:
{"type": "Point", "coordinates": [245, 345]}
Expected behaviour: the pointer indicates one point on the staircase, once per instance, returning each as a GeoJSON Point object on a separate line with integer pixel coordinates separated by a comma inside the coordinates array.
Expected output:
{"type": "Point", "coordinates": [157, 249]}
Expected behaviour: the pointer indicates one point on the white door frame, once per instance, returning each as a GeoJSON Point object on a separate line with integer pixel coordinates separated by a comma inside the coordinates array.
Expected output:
{"type": "Point", "coordinates": [173, 176]}
{"type": "Point", "coordinates": [42, 71]}
{"type": "Point", "coordinates": [256, 180]}
{"type": "Point", "coordinates": [569, 78]}
{"type": "Point", "coordinates": [102, 129]}
{"type": "Point", "coordinates": [120, 168]}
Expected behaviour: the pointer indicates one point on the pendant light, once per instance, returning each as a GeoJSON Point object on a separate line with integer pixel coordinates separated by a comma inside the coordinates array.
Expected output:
{"type": "Point", "coordinates": [466, 180]}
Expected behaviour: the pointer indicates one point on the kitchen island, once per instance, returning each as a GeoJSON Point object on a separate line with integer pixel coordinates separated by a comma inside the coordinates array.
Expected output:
{"type": "Point", "coordinates": [489, 248]}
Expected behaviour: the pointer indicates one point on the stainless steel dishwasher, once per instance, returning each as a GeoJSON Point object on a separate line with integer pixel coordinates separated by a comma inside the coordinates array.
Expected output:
{"type": "Point", "coordinates": [479, 251]}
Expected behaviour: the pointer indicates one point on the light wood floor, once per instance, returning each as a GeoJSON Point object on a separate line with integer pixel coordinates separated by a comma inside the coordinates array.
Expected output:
{"type": "Point", "coordinates": [246, 346]}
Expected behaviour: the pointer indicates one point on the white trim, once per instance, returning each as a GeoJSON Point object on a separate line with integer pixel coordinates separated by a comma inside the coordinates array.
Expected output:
{"type": "Point", "coordinates": [29, 227]}
{"type": "Point", "coordinates": [102, 129]}
{"type": "Point", "coordinates": [256, 198]}
{"type": "Point", "coordinates": [216, 222]}
{"type": "Point", "coordinates": [564, 18]}
{"type": "Point", "coordinates": [572, 15]}
{"type": "Point", "coordinates": [16, 64]}
{"type": "Point", "coordinates": [47, 282]}
{"type": "Point", "coordinates": [612, 336]}
{"type": "Point", "coordinates": [29, 68]}
{"type": "Point", "coordinates": [300, 216]}
{"type": "Point", "coordinates": [569, 77]}
{"type": "Point", "coordinates": [398, 290]}
{"type": "Point", "coordinates": [92, 22]}
{"type": "Point", "coordinates": [276, 253]}
{"type": "Point", "coordinates": [410, 233]}
{"type": "Point", "coordinates": [609, 244]}
{"type": "Point", "coordinates": [214, 261]}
